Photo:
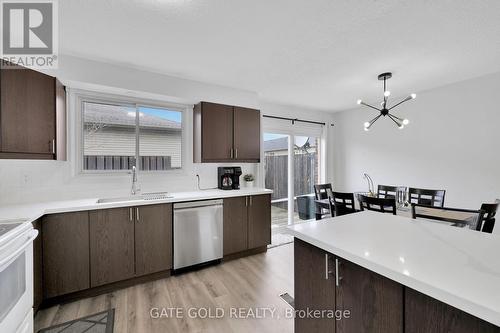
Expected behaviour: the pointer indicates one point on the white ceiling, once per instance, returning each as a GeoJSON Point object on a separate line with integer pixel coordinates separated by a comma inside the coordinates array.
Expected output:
{"type": "Point", "coordinates": [322, 54]}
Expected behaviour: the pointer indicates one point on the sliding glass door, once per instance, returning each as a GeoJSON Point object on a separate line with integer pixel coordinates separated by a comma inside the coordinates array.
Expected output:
{"type": "Point", "coordinates": [306, 163]}
{"type": "Point", "coordinates": [291, 169]}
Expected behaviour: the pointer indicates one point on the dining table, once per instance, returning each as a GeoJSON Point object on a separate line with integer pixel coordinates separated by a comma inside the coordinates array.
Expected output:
{"type": "Point", "coordinates": [461, 218]}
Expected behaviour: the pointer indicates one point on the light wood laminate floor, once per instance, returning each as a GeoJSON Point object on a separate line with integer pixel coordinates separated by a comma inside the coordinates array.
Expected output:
{"type": "Point", "coordinates": [251, 282]}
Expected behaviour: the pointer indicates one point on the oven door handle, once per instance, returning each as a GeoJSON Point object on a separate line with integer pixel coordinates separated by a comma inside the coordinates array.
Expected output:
{"type": "Point", "coordinates": [6, 261]}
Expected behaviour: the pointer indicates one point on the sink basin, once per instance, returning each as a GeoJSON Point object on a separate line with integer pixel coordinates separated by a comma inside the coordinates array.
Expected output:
{"type": "Point", "coordinates": [144, 196]}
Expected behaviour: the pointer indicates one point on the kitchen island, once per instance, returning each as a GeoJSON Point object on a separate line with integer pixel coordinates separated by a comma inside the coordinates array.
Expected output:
{"type": "Point", "coordinates": [395, 274]}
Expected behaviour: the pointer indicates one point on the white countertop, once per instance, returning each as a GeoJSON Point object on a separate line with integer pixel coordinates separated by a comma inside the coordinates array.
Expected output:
{"type": "Point", "coordinates": [32, 211]}
{"type": "Point", "coordinates": [457, 266]}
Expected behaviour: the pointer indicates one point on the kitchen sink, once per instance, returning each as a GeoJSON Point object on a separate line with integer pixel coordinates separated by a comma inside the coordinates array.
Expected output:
{"type": "Point", "coordinates": [141, 197]}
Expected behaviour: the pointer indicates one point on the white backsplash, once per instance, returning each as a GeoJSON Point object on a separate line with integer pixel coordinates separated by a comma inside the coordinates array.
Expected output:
{"type": "Point", "coordinates": [33, 181]}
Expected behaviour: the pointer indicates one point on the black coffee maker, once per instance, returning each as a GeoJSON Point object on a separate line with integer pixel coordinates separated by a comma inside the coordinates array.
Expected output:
{"type": "Point", "coordinates": [228, 178]}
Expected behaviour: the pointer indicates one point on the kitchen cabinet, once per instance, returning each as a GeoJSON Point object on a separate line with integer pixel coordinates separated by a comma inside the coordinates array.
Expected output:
{"type": "Point", "coordinates": [235, 232]}
{"type": "Point", "coordinates": [129, 242]}
{"type": "Point", "coordinates": [424, 314]}
{"type": "Point", "coordinates": [37, 266]}
{"type": "Point", "coordinates": [224, 133]}
{"type": "Point", "coordinates": [153, 238]}
{"type": "Point", "coordinates": [111, 245]}
{"type": "Point", "coordinates": [259, 220]}
{"type": "Point", "coordinates": [32, 115]}
{"type": "Point", "coordinates": [247, 223]}
{"type": "Point", "coordinates": [246, 134]}
{"type": "Point", "coordinates": [65, 242]}
{"type": "Point", "coordinates": [314, 287]}
{"type": "Point", "coordinates": [375, 303]}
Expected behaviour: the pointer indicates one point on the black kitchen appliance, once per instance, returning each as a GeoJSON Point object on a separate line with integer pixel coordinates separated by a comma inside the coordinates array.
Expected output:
{"type": "Point", "coordinates": [228, 178]}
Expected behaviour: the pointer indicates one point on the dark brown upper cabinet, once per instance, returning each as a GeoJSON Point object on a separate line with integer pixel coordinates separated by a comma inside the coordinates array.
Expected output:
{"type": "Point", "coordinates": [32, 115]}
{"type": "Point", "coordinates": [225, 133]}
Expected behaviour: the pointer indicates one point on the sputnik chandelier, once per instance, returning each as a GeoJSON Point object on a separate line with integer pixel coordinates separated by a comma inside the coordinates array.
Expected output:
{"type": "Point", "coordinates": [386, 110]}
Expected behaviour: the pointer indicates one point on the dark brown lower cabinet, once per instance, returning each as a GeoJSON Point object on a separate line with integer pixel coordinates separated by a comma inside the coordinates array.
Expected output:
{"type": "Point", "coordinates": [153, 239]}
{"type": "Point", "coordinates": [235, 225]}
{"type": "Point", "coordinates": [375, 303]}
{"type": "Point", "coordinates": [37, 266]}
{"type": "Point", "coordinates": [65, 240]}
{"type": "Point", "coordinates": [424, 314]}
{"type": "Point", "coordinates": [259, 220]}
{"type": "Point", "coordinates": [314, 288]}
{"type": "Point", "coordinates": [111, 245]}
{"type": "Point", "coordinates": [247, 223]}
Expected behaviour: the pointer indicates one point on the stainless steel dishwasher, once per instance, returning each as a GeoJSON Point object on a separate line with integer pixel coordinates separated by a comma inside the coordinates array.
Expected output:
{"type": "Point", "coordinates": [197, 232]}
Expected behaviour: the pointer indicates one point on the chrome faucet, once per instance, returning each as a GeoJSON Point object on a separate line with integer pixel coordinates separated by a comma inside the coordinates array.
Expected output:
{"type": "Point", "coordinates": [135, 189]}
{"type": "Point", "coordinates": [371, 188]}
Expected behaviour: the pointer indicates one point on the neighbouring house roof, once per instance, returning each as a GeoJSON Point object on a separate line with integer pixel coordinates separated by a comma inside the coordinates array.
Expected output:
{"type": "Point", "coordinates": [276, 144]}
{"type": "Point", "coordinates": [120, 116]}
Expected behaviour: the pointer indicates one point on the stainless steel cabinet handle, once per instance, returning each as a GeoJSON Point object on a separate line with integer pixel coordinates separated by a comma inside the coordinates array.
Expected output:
{"type": "Point", "coordinates": [53, 146]}
{"type": "Point", "coordinates": [246, 201]}
{"type": "Point", "coordinates": [337, 277]}
{"type": "Point", "coordinates": [137, 216]}
{"type": "Point", "coordinates": [235, 152]}
{"type": "Point", "coordinates": [251, 201]}
{"type": "Point", "coordinates": [130, 214]}
{"type": "Point", "coordinates": [232, 153]}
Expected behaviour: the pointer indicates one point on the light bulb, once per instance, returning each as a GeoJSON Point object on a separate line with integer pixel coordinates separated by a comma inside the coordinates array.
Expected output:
{"type": "Point", "coordinates": [387, 93]}
{"type": "Point", "coordinates": [401, 126]}
{"type": "Point", "coordinates": [359, 101]}
{"type": "Point", "coordinates": [366, 129]}
{"type": "Point", "coordinates": [367, 124]}
{"type": "Point", "coordinates": [406, 121]}
{"type": "Point", "coordinates": [413, 96]}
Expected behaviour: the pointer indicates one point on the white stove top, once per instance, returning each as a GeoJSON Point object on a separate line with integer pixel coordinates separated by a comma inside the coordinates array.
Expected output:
{"type": "Point", "coordinates": [6, 227]}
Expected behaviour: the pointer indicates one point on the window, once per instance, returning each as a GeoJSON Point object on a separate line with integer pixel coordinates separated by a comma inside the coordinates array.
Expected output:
{"type": "Point", "coordinates": [119, 136]}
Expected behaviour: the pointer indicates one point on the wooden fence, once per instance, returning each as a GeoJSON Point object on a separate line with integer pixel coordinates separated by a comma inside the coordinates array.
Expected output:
{"type": "Point", "coordinates": [305, 174]}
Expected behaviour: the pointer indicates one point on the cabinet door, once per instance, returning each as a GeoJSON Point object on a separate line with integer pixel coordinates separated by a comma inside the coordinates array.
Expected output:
{"type": "Point", "coordinates": [37, 266]}
{"type": "Point", "coordinates": [111, 245]}
{"type": "Point", "coordinates": [153, 239]}
{"type": "Point", "coordinates": [27, 112]}
{"type": "Point", "coordinates": [246, 134]}
{"type": "Point", "coordinates": [216, 132]}
{"type": "Point", "coordinates": [235, 225]}
{"type": "Point", "coordinates": [259, 221]}
{"type": "Point", "coordinates": [375, 302]}
{"type": "Point", "coordinates": [65, 253]}
{"type": "Point", "coordinates": [314, 288]}
{"type": "Point", "coordinates": [424, 314]}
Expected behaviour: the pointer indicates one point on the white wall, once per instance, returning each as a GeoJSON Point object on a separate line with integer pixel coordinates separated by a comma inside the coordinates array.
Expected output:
{"type": "Point", "coordinates": [23, 181]}
{"type": "Point", "coordinates": [451, 143]}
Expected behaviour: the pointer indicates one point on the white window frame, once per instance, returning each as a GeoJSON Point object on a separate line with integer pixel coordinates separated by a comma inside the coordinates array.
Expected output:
{"type": "Point", "coordinates": [82, 96]}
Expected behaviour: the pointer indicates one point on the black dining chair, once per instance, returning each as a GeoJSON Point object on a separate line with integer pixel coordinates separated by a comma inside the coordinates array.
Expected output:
{"type": "Point", "coordinates": [488, 222]}
{"type": "Point", "coordinates": [386, 191]}
{"type": "Point", "coordinates": [382, 205]}
{"type": "Point", "coordinates": [427, 197]}
{"type": "Point", "coordinates": [456, 216]}
{"type": "Point", "coordinates": [342, 203]}
{"type": "Point", "coordinates": [321, 191]}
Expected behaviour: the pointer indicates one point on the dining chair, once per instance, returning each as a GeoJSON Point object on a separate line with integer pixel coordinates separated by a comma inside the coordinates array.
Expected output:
{"type": "Point", "coordinates": [488, 222]}
{"type": "Point", "coordinates": [383, 205]}
{"type": "Point", "coordinates": [456, 216]}
{"type": "Point", "coordinates": [320, 191]}
{"type": "Point", "coordinates": [342, 203]}
{"type": "Point", "coordinates": [427, 197]}
{"type": "Point", "coordinates": [386, 191]}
